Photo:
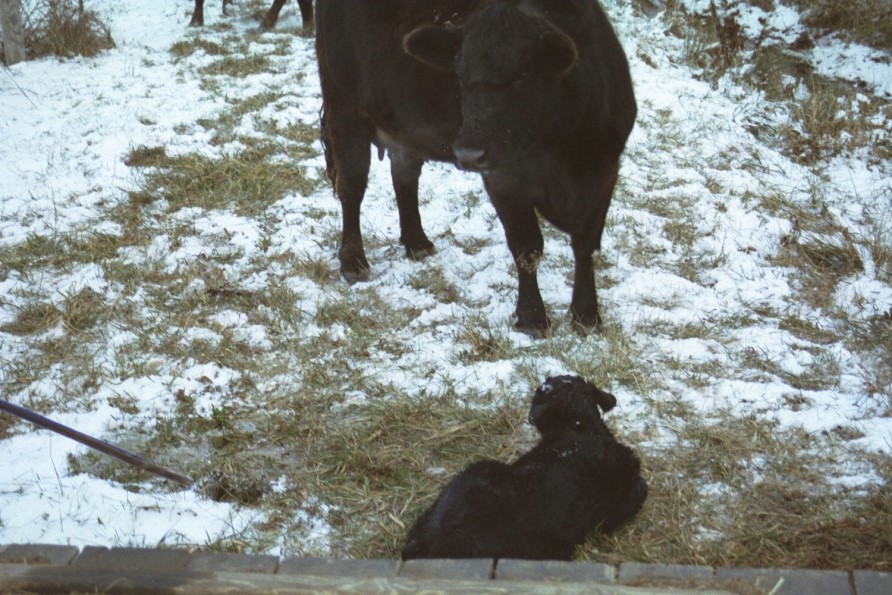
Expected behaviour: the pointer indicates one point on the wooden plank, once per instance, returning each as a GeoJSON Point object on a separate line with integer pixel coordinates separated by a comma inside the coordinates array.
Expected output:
{"type": "Point", "coordinates": [22, 577]}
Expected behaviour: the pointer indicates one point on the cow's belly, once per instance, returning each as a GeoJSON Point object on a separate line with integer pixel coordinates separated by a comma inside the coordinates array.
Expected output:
{"type": "Point", "coordinates": [428, 143]}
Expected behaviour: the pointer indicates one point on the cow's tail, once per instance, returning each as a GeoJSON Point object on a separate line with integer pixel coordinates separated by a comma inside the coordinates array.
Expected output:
{"type": "Point", "coordinates": [330, 170]}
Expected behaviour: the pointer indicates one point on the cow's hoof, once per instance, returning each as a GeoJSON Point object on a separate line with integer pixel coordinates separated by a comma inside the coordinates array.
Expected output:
{"type": "Point", "coordinates": [354, 265]}
{"type": "Point", "coordinates": [420, 252]}
{"type": "Point", "coordinates": [355, 275]}
{"type": "Point", "coordinates": [586, 325]}
{"type": "Point", "coordinates": [535, 329]}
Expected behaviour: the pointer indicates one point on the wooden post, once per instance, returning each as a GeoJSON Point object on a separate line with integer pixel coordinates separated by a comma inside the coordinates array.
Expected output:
{"type": "Point", "coordinates": [11, 27]}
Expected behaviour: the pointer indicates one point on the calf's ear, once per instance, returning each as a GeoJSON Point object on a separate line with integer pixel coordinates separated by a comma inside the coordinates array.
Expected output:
{"type": "Point", "coordinates": [434, 46]}
{"type": "Point", "coordinates": [605, 400]}
{"type": "Point", "coordinates": [557, 54]}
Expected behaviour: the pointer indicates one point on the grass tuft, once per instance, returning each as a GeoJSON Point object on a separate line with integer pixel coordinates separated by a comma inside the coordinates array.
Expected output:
{"type": "Point", "coordinates": [732, 491]}
{"type": "Point", "coordinates": [33, 318]}
{"type": "Point", "coordinates": [869, 21]}
{"type": "Point", "coordinates": [66, 29]}
{"type": "Point", "coordinates": [247, 182]}
{"type": "Point", "coordinates": [143, 156]}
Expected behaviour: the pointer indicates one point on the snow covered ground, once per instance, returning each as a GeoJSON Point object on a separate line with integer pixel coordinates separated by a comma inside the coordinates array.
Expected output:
{"type": "Point", "coordinates": [694, 184]}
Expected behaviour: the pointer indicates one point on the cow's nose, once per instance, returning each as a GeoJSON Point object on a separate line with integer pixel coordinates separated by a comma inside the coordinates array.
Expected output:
{"type": "Point", "coordinates": [471, 159]}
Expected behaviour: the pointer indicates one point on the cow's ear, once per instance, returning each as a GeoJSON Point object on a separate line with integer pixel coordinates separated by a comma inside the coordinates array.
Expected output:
{"type": "Point", "coordinates": [434, 46]}
{"type": "Point", "coordinates": [557, 54]}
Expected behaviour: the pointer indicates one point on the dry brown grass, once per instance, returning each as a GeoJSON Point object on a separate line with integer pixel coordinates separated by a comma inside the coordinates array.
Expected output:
{"type": "Point", "coordinates": [735, 492]}
{"type": "Point", "coordinates": [865, 21]}
{"type": "Point", "coordinates": [65, 28]}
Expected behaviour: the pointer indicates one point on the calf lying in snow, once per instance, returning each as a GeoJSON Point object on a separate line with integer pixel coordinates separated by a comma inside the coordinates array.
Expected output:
{"type": "Point", "coordinates": [576, 479]}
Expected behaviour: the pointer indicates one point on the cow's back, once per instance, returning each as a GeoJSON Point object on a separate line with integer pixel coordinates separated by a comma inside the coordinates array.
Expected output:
{"type": "Point", "coordinates": [363, 67]}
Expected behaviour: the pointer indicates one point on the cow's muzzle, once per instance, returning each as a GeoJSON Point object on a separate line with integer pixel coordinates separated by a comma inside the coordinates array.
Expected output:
{"type": "Point", "coordinates": [471, 158]}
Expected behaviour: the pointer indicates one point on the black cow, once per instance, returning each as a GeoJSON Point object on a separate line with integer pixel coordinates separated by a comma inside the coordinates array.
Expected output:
{"type": "Point", "coordinates": [533, 94]}
{"type": "Point", "coordinates": [269, 20]}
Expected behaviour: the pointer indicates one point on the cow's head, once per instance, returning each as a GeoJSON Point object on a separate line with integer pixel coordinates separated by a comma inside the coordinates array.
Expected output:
{"type": "Point", "coordinates": [509, 64]}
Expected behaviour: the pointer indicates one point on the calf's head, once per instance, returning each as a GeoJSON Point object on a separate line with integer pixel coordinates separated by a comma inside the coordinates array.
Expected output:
{"type": "Point", "coordinates": [569, 403]}
{"type": "Point", "coordinates": [509, 64]}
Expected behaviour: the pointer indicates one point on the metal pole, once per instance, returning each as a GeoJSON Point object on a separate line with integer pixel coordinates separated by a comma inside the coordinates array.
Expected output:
{"type": "Point", "coordinates": [104, 447]}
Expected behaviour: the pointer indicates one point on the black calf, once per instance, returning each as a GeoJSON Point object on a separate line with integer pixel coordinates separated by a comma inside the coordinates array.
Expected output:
{"type": "Point", "coordinates": [577, 478]}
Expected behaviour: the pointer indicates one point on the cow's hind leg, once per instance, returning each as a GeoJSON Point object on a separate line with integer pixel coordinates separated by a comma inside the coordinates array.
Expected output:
{"type": "Point", "coordinates": [405, 170]}
{"type": "Point", "coordinates": [348, 155]}
{"type": "Point", "coordinates": [306, 14]}
{"type": "Point", "coordinates": [526, 245]}
{"type": "Point", "coordinates": [272, 15]}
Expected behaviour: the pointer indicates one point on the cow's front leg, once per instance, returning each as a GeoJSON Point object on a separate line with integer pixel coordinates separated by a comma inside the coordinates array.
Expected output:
{"type": "Point", "coordinates": [405, 170]}
{"type": "Point", "coordinates": [584, 304]}
{"type": "Point", "coordinates": [530, 316]}
{"type": "Point", "coordinates": [526, 244]}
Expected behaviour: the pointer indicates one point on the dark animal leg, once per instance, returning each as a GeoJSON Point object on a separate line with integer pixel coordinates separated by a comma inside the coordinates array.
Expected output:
{"type": "Point", "coordinates": [198, 14]}
{"type": "Point", "coordinates": [526, 245]}
{"type": "Point", "coordinates": [272, 16]}
{"type": "Point", "coordinates": [306, 14]}
{"type": "Point", "coordinates": [405, 170]}
{"type": "Point", "coordinates": [348, 156]}
{"type": "Point", "coordinates": [584, 304]}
